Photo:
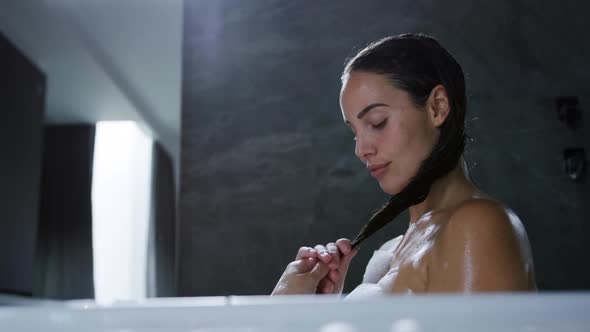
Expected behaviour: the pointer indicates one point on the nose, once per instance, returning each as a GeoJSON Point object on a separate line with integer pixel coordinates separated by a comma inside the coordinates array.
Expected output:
{"type": "Point", "coordinates": [364, 149]}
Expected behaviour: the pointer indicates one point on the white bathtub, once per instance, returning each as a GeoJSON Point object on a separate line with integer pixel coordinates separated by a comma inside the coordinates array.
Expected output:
{"type": "Point", "coordinates": [554, 312]}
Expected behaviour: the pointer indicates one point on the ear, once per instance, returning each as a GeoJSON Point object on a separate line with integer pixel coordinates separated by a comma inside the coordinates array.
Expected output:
{"type": "Point", "coordinates": [438, 105]}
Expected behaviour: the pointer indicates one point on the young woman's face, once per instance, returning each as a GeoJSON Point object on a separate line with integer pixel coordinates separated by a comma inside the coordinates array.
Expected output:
{"type": "Point", "coordinates": [391, 133]}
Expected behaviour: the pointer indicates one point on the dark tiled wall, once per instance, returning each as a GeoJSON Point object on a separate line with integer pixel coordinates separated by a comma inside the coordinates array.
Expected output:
{"type": "Point", "coordinates": [268, 165]}
{"type": "Point", "coordinates": [22, 109]}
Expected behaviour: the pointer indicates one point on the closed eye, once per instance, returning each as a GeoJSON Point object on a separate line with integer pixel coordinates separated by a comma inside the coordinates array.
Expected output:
{"type": "Point", "coordinates": [380, 125]}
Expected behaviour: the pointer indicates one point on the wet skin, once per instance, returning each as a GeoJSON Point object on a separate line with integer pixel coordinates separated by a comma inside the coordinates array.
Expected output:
{"type": "Point", "coordinates": [458, 240]}
{"type": "Point", "coordinates": [444, 252]}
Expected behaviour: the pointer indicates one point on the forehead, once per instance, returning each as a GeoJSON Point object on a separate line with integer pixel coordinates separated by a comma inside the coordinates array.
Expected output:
{"type": "Point", "coordinates": [360, 89]}
{"type": "Point", "coordinates": [359, 84]}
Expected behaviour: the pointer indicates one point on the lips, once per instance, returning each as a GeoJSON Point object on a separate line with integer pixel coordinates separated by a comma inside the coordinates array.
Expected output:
{"type": "Point", "coordinates": [378, 169]}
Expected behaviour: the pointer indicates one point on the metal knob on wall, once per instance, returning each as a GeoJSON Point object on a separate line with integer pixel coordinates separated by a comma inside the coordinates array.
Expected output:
{"type": "Point", "coordinates": [574, 158]}
{"type": "Point", "coordinates": [574, 163]}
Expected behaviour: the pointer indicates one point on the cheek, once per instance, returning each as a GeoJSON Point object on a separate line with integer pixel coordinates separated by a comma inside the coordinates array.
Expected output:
{"type": "Point", "coordinates": [406, 148]}
{"type": "Point", "coordinates": [394, 148]}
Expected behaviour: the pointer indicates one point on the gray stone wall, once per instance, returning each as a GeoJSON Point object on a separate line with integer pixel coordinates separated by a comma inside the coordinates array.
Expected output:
{"type": "Point", "coordinates": [268, 165]}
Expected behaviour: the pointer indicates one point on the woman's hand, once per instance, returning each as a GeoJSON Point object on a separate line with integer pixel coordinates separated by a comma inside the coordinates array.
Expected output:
{"type": "Point", "coordinates": [301, 276]}
{"type": "Point", "coordinates": [318, 270]}
{"type": "Point", "coordinates": [338, 257]}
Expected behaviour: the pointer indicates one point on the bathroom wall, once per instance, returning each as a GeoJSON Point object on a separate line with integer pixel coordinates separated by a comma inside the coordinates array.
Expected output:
{"type": "Point", "coordinates": [268, 165]}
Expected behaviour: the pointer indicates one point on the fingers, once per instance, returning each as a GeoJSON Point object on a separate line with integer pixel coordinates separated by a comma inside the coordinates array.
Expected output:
{"type": "Point", "coordinates": [325, 286]}
{"type": "Point", "coordinates": [328, 283]}
{"type": "Point", "coordinates": [334, 275]}
{"type": "Point", "coordinates": [301, 266]}
{"type": "Point", "coordinates": [323, 267]}
{"type": "Point", "coordinates": [323, 254]}
{"type": "Point", "coordinates": [335, 253]}
{"type": "Point", "coordinates": [331, 254]}
{"type": "Point", "coordinates": [305, 252]}
{"type": "Point", "coordinates": [329, 288]}
{"type": "Point", "coordinates": [344, 246]}
{"type": "Point", "coordinates": [319, 271]}
{"type": "Point", "coordinates": [345, 261]}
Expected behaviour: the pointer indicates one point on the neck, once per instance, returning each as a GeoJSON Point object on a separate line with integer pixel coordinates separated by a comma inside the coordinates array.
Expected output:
{"type": "Point", "coordinates": [445, 192]}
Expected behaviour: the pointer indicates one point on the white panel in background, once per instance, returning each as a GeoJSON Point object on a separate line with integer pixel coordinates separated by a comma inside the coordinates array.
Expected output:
{"type": "Point", "coordinates": [121, 189]}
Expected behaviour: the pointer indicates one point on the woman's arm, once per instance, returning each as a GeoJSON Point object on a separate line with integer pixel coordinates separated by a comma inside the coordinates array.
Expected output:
{"type": "Point", "coordinates": [481, 249]}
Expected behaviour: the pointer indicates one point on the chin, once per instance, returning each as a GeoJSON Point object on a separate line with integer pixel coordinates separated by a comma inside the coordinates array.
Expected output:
{"type": "Point", "coordinates": [391, 190]}
{"type": "Point", "coordinates": [392, 187]}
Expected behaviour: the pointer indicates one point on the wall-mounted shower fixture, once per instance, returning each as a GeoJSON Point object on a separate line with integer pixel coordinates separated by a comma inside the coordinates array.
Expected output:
{"type": "Point", "coordinates": [574, 163]}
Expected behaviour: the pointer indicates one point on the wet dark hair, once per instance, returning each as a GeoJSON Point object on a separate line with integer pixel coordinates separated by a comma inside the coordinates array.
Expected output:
{"type": "Point", "coordinates": [416, 63]}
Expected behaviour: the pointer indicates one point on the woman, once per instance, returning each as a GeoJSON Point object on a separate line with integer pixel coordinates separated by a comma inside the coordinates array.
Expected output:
{"type": "Point", "coordinates": [404, 99]}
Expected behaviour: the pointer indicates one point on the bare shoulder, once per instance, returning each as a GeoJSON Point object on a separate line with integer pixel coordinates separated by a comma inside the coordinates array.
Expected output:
{"type": "Point", "coordinates": [489, 224]}
{"type": "Point", "coordinates": [483, 247]}
{"type": "Point", "coordinates": [478, 216]}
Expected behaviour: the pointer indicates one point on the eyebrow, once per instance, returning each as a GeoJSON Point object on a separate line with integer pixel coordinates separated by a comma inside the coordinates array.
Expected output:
{"type": "Point", "coordinates": [367, 109]}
